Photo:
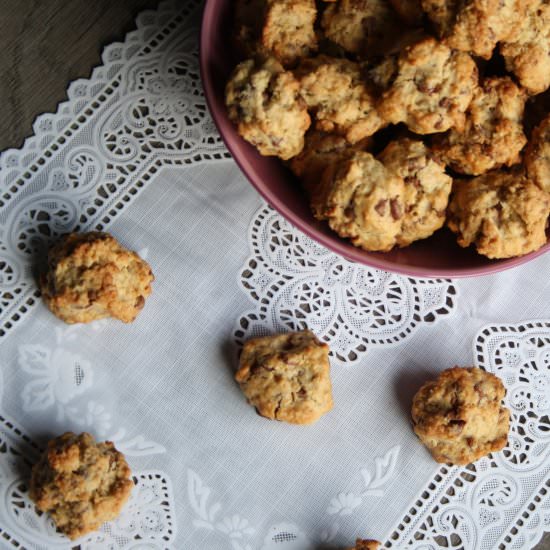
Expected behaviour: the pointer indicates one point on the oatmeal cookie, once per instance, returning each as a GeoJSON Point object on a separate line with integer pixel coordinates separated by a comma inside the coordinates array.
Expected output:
{"type": "Point", "coordinates": [320, 151]}
{"type": "Point", "coordinates": [364, 27]}
{"type": "Point", "coordinates": [363, 544]}
{"type": "Point", "coordinates": [431, 89]}
{"type": "Point", "coordinates": [527, 51]}
{"type": "Point", "coordinates": [287, 377]}
{"type": "Point", "coordinates": [460, 417]}
{"type": "Point", "coordinates": [502, 214]}
{"type": "Point", "coordinates": [427, 188]}
{"type": "Point", "coordinates": [264, 102]}
{"type": "Point", "coordinates": [537, 155]}
{"type": "Point", "coordinates": [288, 32]}
{"type": "Point", "coordinates": [91, 276]}
{"type": "Point", "coordinates": [493, 134]}
{"type": "Point", "coordinates": [334, 89]}
{"type": "Point", "coordinates": [474, 26]}
{"type": "Point", "coordinates": [362, 201]}
{"type": "Point", "coordinates": [80, 483]}
{"type": "Point", "coordinates": [279, 28]}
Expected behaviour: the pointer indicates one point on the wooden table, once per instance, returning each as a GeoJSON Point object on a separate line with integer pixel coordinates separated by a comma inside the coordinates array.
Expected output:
{"type": "Point", "coordinates": [47, 44]}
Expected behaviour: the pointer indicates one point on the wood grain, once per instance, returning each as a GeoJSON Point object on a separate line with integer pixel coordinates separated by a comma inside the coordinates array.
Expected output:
{"type": "Point", "coordinates": [47, 44]}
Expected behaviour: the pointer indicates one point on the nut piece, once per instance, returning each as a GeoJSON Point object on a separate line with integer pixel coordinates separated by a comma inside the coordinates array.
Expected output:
{"type": "Point", "coordinates": [264, 103]}
{"type": "Point", "coordinates": [493, 135]}
{"type": "Point", "coordinates": [459, 416]}
{"type": "Point", "coordinates": [80, 483]}
{"type": "Point", "coordinates": [287, 377]}
{"type": "Point", "coordinates": [91, 276]}
{"type": "Point", "coordinates": [503, 215]}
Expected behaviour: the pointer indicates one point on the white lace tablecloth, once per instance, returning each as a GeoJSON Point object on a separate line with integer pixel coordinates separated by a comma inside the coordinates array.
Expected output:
{"type": "Point", "coordinates": [133, 151]}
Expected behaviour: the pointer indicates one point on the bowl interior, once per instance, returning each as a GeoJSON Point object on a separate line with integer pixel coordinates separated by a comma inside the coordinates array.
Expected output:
{"type": "Point", "coordinates": [438, 256]}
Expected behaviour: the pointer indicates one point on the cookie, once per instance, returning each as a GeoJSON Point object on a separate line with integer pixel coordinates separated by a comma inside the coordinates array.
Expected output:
{"type": "Point", "coordinates": [537, 155]}
{"type": "Point", "coordinates": [362, 201]}
{"type": "Point", "coordinates": [80, 483]}
{"type": "Point", "coordinates": [474, 26]}
{"type": "Point", "coordinates": [363, 27]}
{"type": "Point", "coordinates": [288, 32]}
{"type": "Point", "coordinates": [287, 377]}
{"type": "Point", "coordinates": [527, 51]}
{"type": "Point", "coordinates": [493, 133]}
{"type": "Point", "coordinates": [431, 89]}
{"type": "Point", "coordinates": [320, 151]}
{"type": "Point", "coordinates": [91, 276]}
{"type": "Point", "coordinates": [264, 103]}
{"type": "Point", "coordinates": [427, 188]}
{"type": "Point", "coordinates": [363, 544]}
{"type": "Point", "coordinates": [335, 91]}
{"type": "Point", "coordinates": [460, 417]}
{"type": "Point", "coordinates": [502, 214]}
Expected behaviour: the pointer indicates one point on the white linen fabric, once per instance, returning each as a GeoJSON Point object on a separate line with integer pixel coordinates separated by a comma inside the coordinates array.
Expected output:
{"type": "Point", "coordinates": [133, 151]}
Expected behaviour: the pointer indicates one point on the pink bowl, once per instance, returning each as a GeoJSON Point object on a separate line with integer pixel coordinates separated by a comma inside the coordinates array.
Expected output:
{"type": "Point", "coordinates": [438, 256]}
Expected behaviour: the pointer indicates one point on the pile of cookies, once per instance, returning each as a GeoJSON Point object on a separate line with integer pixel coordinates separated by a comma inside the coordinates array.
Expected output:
{"type": "Point", "coordinates": [402, 116]}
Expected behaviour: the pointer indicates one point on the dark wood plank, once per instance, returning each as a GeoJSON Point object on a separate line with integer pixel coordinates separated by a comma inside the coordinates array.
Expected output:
{"type": "Point", "coordinates": [47, 44]}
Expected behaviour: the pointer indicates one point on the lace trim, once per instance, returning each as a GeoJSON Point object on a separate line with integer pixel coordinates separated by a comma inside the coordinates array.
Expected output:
{"type": "Point", "coordinates": [296, 283]}
{"type": "Point", "coordinates": [143, 109]}
{"type": "Point", "coordinates": [149, 515]}
{"type": "Point", "coordinates": [491, 504]}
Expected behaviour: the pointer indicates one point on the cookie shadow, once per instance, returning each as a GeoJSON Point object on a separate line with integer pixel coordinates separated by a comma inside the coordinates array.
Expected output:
{"type": "Point", "coordinates": [230, 351]}
{"type": "Point", "coordinates": [407, 383]}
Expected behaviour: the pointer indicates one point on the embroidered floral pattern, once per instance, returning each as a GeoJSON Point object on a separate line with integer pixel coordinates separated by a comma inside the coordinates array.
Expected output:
{"type": "Point", "coordinates": [296, 283]}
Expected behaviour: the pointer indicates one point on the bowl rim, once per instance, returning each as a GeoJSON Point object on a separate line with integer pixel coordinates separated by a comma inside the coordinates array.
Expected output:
{"type": "Point", "coordinates": [357, 255]}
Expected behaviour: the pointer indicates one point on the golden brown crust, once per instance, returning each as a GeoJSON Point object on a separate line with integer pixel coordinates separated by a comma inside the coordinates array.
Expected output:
{"type": "Point", "coordinates": [91, 276]}
{"type": "Point", "coordinates": [427, 188]}
{"type": "Point", "coordinates": [474, 25]}
{"type": "Point", "coordinates": [263, 101]}
{"type": "Point", "coordinates": [527, 51]}
{"type": "Point", "coordinates": [459, 416]}
{"type": "Point", "coordinates": [493, 134]}
{"type": "Point", "coordinates": [335, 91]}
{"type": "Point", "coordinates": [537, 155]}
{"type": "Point", "coordinates": [364, 544]}
{"type": "Point", "coordinates": [80, 483]}
{"type": "Point", "coordinates": [502, 214]}
{"type": "Point", "coordinates": [432, 88]}
{"type": "Point", "coordinates": [362, 201]}
{"type": "Point", "coordinates": [365, 27]}
{"type": "Point", "coordinates": [320, 151]}
{"type": "Point", "coordinates": [287, 377]}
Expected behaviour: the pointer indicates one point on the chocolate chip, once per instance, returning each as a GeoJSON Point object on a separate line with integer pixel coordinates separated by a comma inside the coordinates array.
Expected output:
{"type": "Point", "coordinates": [381, 207]}
{"type": "Point", "coordinates": [396, 209]}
